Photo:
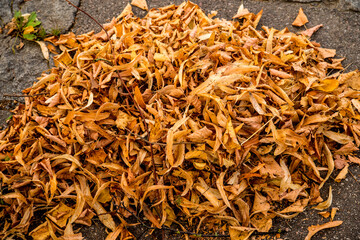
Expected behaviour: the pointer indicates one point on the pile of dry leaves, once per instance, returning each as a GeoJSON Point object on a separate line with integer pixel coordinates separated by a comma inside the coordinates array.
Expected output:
{"type": "Point", "coordinates": [178, 117]}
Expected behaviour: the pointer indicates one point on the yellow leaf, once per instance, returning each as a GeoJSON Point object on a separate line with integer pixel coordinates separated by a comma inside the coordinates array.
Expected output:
{"type": "Point", "coordinates": [200, 165]}
{"type": "Point", "coordinates": [205, 190]}
{"type": "Point", "coordinates": [241, 12]}
{"type": "Point", "coordinates": [196, 154]}
{"type": "Point", "coordinates": [262, 222]}
{"type": "Point", "coordinates": [160, 57]}
{"type": "Point", "coordinates": [60, 214]}
{"type": "Point", "coordinates": [260, 203]}
{"type": "Point", "coordinates": [138, 98]}
{"type": "Point", "coordinates": [63, 59]}
{"type": "Point", "coordinates": [328, 85]}
{"type": "Point", "coordinates": [28, 29]}
{"type": "Point", "coordinates": [326, 204]}
{"type": "Point", "coordinates": [326, 53]}
{"type": "Point", "coordinates": [41, 232]}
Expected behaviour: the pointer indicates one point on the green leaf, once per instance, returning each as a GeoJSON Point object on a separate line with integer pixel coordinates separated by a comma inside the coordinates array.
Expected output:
{"type": "Point", "coordinates": [19, 19]}
{"type": "Point", "coordinates": [10, 117]}
{"type": "Point", "coordinates": [32, 18]}
{"type": "Point", "coordinates": [17, 14]}
{"type": "Point", "coordinates": [29, 36]}
{"type": "Point", "coordinates": [34, 23]}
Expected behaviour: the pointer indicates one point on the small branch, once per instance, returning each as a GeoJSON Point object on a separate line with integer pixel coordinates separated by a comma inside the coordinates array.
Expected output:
{"type": "Point", "coordinates": [79, 9]}
{"type": "Point", "coordinates": [353, 176]}
{"type": "Point", "coordinates": [262, 127]}
{"type": "Point", "coordinates": [158, 143]}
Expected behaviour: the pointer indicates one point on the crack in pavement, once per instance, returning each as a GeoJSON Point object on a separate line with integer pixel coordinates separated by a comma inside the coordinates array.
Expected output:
{"type": "Point", "coordinates": [75, 17]}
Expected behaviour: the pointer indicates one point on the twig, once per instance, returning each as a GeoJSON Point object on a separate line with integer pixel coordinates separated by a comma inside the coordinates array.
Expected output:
{"type": "Point", "coordinates": [145, 125]}
{"type": "Point", "coordinates": [262, 127]}
{"type": "Point", "coordinates": [158, 143]}
{"type": "Point", "coordinates": [353, 176]}
{"type": "Point", "coordinates": [89, 17]}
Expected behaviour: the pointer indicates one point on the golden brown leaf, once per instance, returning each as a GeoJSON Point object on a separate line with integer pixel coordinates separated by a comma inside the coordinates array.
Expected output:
{"type": "Point", "coordinates": [316, 228]}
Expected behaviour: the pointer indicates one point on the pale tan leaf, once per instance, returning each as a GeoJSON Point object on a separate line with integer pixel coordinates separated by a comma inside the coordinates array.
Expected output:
{"type": "Point", "coordinates": [338, 137]}
{"type": "Point", "coordinates": [326, 204]}
{"type": "Point", "coordinates": [44, 49]}
{"type": "Point", "coordinates": [241, 12]}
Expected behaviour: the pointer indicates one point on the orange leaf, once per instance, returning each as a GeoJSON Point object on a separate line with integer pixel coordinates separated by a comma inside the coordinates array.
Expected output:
{"type": "Point", "coordinates": [316, 228]}
{"type": "Point", "coordinates": [138, 98]}
{"type": "Point", "coordinates": [140, 4]}
{"type": "Point", "coordinates": [301, 19]}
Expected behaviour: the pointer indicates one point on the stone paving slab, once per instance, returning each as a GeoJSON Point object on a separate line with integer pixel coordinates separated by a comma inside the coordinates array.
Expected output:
{"type": "Point", "coordinates": [341, 31]}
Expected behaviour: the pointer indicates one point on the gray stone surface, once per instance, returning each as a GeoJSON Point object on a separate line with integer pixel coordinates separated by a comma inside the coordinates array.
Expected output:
{"type": "Point", "coordinates": [3, 116]}
{"type": "Point", "coordinates": [5, 12]}
{"type": "Point", "coordinates": [20, 69]}
{"type": "Point", "coordinates": [54, 14]}
{"type": "Point", "coordinates": [353, 4]}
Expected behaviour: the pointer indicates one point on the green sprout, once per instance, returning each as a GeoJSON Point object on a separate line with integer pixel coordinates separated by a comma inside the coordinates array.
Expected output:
{"type": "Point", "coordinates": [29, 27]}
{"type": "Point", "coordinates": [55, 32]}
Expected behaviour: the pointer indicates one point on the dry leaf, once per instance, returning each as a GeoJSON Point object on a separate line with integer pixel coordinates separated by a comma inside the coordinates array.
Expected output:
{"type": "Point", "coordinates": [127, 10]}
{"type": "Point", "coordinates": [326, 53]}
{"type": "Point", "coordinates": [342, 174]}
{"type": "Point", "coordinates": [309, 32]}
{"type": "Point", "coordinates": [333, 212]}
{"type": "Point", "coordinates": [140, 4]}
{"type": "Point", "coordinates": [316, 228]}
{"type": "Point", "coordinates": [326, 204]}
{"type": "Point", "coordinates": [241, 12]}
{"type": "Point", "coordinates": [44, 49]}
{"type": "Point", "coordinates": [301, 19]}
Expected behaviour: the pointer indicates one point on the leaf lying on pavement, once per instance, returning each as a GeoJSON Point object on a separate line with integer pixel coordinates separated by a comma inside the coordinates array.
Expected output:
{"type": "Point", "coordinates": [316, 228]}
